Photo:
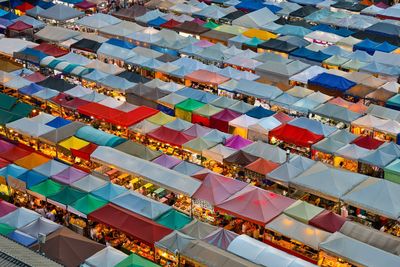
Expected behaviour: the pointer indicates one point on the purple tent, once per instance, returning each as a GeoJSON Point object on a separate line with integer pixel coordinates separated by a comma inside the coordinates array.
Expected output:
{"type": "Point", "coordinates": [167, 161]}
{"type": "Point", "coordinates": [69, 175]}
{"type": "Point", "coordinates": [220, 238]}
{"type": "Point", "coordinates": [237, 142]}
{"type": "Point", "coordinates": [197, 130]}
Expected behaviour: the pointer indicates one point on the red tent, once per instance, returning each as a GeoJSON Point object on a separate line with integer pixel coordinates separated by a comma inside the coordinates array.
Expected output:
{"type": "Point", "coordinates": [216, 188]}
{"type": "Point", "coordinates": [328, 221]}
{"type": "Point", "coordinates": [19, 26]}
{"type": "Point", "coordinates": [170, 24]}
{"type": "Point", "coordinates": [367, 142]}
{"type": "Point", "coordinates": [14, 153]}
{"type": "Point", "coordinates": [262, 166]}
{"type": "Point", "coordinates": [4, 163]}
{"type": "Point", "coordinates": [132, 224]}
{"type": "Point", "coordinates": [99, 111]}
{"type": "Point", "coordinates": [69, 102]}
{"type": "Point", "coordinates": [295, 135]}
{"type": "Point", "coordinates": [84, 152]}
{"type": "Point", "coordinates": [51, 50]}
{"type": "Point", "coordinates": [170, 136]}
{"type": "Point", "coordinates": [24, 7]}
{"type": "Point", "coordinates": [35, 77]}
{"type": "Point", "coordinates": [255, 204]}
{"type": "Point", "coordinates": [220, 121]}
{"type": "Point", "coordinates": [282, 117]}
{"type": "Point", "coordinates": [6, 208]}
{"type": "Point", "coordinates": [84, 5]}
{"type": "Point", "coordinates": [134, 116]}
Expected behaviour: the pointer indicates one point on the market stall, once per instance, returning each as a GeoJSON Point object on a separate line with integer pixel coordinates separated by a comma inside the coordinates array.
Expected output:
{"type": "Point", "coordinates": [373, 163]}
{"type": "Point", "coordinates": [256, 171]}
{"type": "Point", "coordinates": [348, 157]}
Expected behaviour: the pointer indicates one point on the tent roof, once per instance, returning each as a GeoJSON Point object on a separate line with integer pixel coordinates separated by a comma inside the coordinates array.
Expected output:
{"type": "Point", "coordinates": [357, 252]}
{"type": "Point", "coordinates": [138, 150]}
{"type": "Point", "coordinates": [295, 135]}
{"type": "Point", "coordinates": [262, 166]}
{"type": "Point", "coordinates": [170, 136]}
{"type": "Point", "coordinates": [69, 175]}
{"type": "Point", "coordinates": [332, 82]}
{"type": "Point", "coordinates": [327, 221]}
{"type": "Point", "coordinates": [174, 219]}
{"type": "Point", "coordinates": [108, 256]}
{"type": "Point", "coordinates": [60, 12]}
{"type": "Point", "coordinates": [19, 218]}
{"type": "Point", "coordinates": [266, 205]}
{"type": "Point", "coordinates": [167, 161]}
{"type": "Point", "coordinates": [89, 183]}
{"type": "Point", "coordinates": [299, 231]}
{"type": "Point", "coordinates": [302, 211]}
{"type": "Point", "coordinates": [109, 191]}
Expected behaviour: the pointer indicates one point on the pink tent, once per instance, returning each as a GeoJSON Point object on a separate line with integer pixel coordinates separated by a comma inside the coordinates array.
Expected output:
{"type": "Point", "coordinates": [216, 188]}
{"type": "Point", "coordinates": [237, 142]}
{"type": "Point", "coordinates": [221, 238]}
{"type": "Point", "coordinates": [199, 21]}
{"type": "Point", "coordinates": [220, 121]}
{"type": "Point", "coordinates": [6, 208]}
{"type": "Point", "coordinates": [203, 44]}
{"type": "Point", "coordinates": [328, 221]}
{"type": "Point", "coordinates": [255, 205]}
{"type": "Point", "coordinates": [69, 175]}
{"type": "Point", "coordinates": [167, 161]}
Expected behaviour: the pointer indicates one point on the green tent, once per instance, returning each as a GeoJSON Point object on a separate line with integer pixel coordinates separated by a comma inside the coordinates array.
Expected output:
{"type": "Point", "coordinates": [392, 171]}
{"type": "Point", "coordinates": [88, 204]}
{"type": "Point", "coordinates": [5, 229]}
{"type": "Point", "coordinates": [394, 102]}
{"type": "Point", "coordinates": [7, 102]}
{"type": "Point", "coordinates": [335, 60]}
{"type": "Point", "coordinates": [184, 109]}
{"type": "Point", "coordinates": [210, 25]}
{"type": "Point", "coordinates": [136, 261]}
{"type": "Point", "coordinates": [207, 110]}
{"type": "Point", "coordinates": [353, 64]}
{"type": "Point", "coordinates": [47, 188]}
{"type": "Point", "coordinates": [174, 220]}
{"type": "Point", "coordinates": [198, 145]}
{"type": "Point", "coordinates": [21, 109]}
{"type": "Point", "coordinates": [302, 211]}
{"type": "Point", "coordinates": [67, 195]}
{"type": "Point", "coordinates": [6, 117]}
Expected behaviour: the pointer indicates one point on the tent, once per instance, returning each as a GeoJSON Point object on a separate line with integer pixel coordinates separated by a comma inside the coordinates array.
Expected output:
{"type": "Point", "coordinates": [45, 188]}
{"type": "Point", "coordinates": [167, 103]}
{"type": "Point", "coordinates": [202, 115]}
{"type": "Point", "coordinates": [221, 238]}
{"type": "Point", "coordinates": [6, 229]}
{"type": "Point", "coordinates": [6, 208]}
{"type": "Point", "coordinates": [22, 238]}
{"type": "Point", "coordinates": [239, 126]}
{"type": "Point", "coordinates": [167, 161]}
{"type": "Point", "coordinates": [198, 229]}
{"type": "Point", "coordinates": [19, 218]}
{"type": "Point", "coordinates": [173, 219]}
{"type": "Point", "coordinates": [259, 130]}
{"type": "Point", "coordinates": [185, 109]}
{"type": "Point", "coordinates": [31, 161]}
{"type": "Point", "coordinates": [266, 205]}
{"type": "Point", "coordinates": [349, 249]}
{"type": "Point", "coordinates": [68, 248]}
{"type": "Point", "coordinates": [197, 130]}
{"type": "Point", "coordinates": [302, 211]}
{"type": "Point", "coordinates": [161, 118]}
{"type": "Point", "coordinates": [221, 120]}
{"type": "Point", "coordinates": [199, 144]}
{"type": "Point", "coordinates": [25, 180]}
{"type": "Point", "coordinates": [336, 112]}
{"type": "Point", "coordinates": [130, 223]}
{"type": "Point", "coordinates": [263, 254]}
{"type": "Point", "coordinates": [98, 137]}
{"type": "Point", "coordinates": [215, 189]}
{"type": "Point", "coordinates": [106, 257]}
{"type": "Point", "coordinates": [237, 142]}
{"type": "Point", "coordinates": [262, 166]}
{"type": "Point", "coordinates": [330, 83]}
{"type": "Point", "coordinates": [69, 175]}
{"type": "Point", "coordinates": [295, 135]}
{"type": "Point", "coordinates": [40, 226]}
{"type": "Point", "coordinates": [375, 195]}
{"type": "Point", "coordinates": [65, 197]}
{"type": "Point", "coordinates": [135, 260]}
{"type": "Point", "coordinates": [218, 152]}
{"type": "Point", "coordinates": [170, 136]}
{"type": "Point", "coordinates": [335, 184]}
{"type": "Point", "coordinates": [60, 13]}
{"type": "Point", "coordinates": [327, 221]}
{"type": "Point", "coordinates": [367, 142]}
{"type": "Point", "coordinates": [85, 205]}
{"type": "Point", "coordinates": [179, 125]}
{"type": "Point", "coordinates": [138, 150]}
{"type": "Point", "coordinates": [109, 191]}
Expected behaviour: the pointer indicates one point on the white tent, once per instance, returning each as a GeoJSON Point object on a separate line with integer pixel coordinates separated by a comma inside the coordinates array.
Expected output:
{"type": "Point", "coordinates": [19, 218]}
{"type": "Point", "coordinates": [112, 51]}
{"type": "Point", "coordinates": [60, 13]}
{"type": "Point", "coordinates": [78, 91]}
{"type": "Point", "coordinates": [263, 254]}
{"type": "Point", "coordinates": [121, 29]}
{"type": "Point", "coordinates": [323, 36]}
{"type": "Point", "coordinates": [266, 151]}
{"type": "Point", "coordinates": [307, 74]}
{"type": "Point", "coordinates": [107, 257]}
{"type": "Point", "coordinates": [259, 131]}
{"type": "Point", "coordinates": [28, 127]}
{"type": "Point", "coordinates": [98, 21]}
{"type": "Point", "coordinates": [218, 153]}
{"type": "Point", "coordinates": [40, 226]}
{"type": "Point", "coordinates": [10, 45]}
{"type": "Point", "coordinates": [256, 19]}
{"type": "Point", "coordinates": [51, 168]}
{"type": "Point", "coordinates": [89, 183]}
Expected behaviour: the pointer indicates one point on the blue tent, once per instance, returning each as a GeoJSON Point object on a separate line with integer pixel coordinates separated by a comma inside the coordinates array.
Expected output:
{"type": "Point", "coordinates": [32, 178]}
{"type": "Point", "coordinates": [120, 43]}
{"type": "Point", "coordinates": [285, 100]}
{"type": "Point", "coordinates": [31, 55]}
{"type": "Point", "coordinates": [12, 3]}
{"type": "Point", "coordinates": [44, 4]}
{"type": "Point", "coordinates": [385, 47]}
{"type": "Point", "coordinates": [325, 28]}
{"type": "Point", "coordinates": [98, 137]}
{"type": "Point", "coordinates": [366, 45]}
{"type": "Point", "coordinates": [259, 112]}
{"type": "Point", "coordinates": [30, 89]}
{"type": "Point", "coordinates": [393, 102]}
{"type": "Point", "coordinates": [307, 2]}
{"type": "Point", "coordinates": [156, 22]}
{"type": "Point", "coordinates": [187, 168]}
{"type": "Point", "coordinates": [253, 5]}
{"type": "Point", "coordinates": [12, 170]}
{"type": "Point", "coordinates": [317, 56]}
{"type": "Point", "coordinates": [302, 52]}
{"type": "Point", "coordinates": [58, 122]}
{"type": "Point", "coordinates": [22, 238]}
{"type": "Point", "coordinates": [313, 126]}
{"type": "Point", "coordinates": [198, 95]}
{"type": "Point", "coordinates": [9, 16]}
{"type": "Point", "coordinates": [109, 191]}
{"type": "Point", "coordinates": [379, 68]}
{"type": "Point", "coordinates": [332, 82]}
{"type": "Point", "coordinates": [293, 30]}
{"type": "Point", "coordinates": [72, 2]}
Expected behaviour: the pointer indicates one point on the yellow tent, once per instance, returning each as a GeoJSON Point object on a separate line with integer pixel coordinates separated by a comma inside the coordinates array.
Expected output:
{"type": "Point", "coordinates": [260, 34]}
{"type": "Point", "coordinates": [31, 161]}
{"type": "Point", "coordinates": [74, 143]}
{"type": "Point", "coordinates": [161, 118]}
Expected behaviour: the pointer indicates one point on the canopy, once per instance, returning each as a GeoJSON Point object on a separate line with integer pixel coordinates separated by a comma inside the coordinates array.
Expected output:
{"type": "Point", "coordinates": [69, 175]}
{"type": "Point", "coordinates": [179, 125]}
{"type": "Point", "coordinates": [327, 221]}
{"type": "Point", "coordinates": [46, 188]}
{"type": "Point", "coordinates": [167, 161]}
{"type": "Point", "coordinates": [265, 205]}
{"type": "Point", "coordinates": [6, 208]}
{"type": "Point", "coordinates": [143, 206]}
{"type": "Point", "coordinates": [259, 112]}
{"type": "Point", "coordinates": [332, 82]}
{"type": "Point", "coordinates": [161, 118]}
{"type": "Point", "coordinates": [108, 256]}
{"type": "Point", "coordinates": [138, 150]}
{"type": "Point", "coordinates": [65, 197]}
{"type": "Point", "coordinates": [173, 219]}
{"type": "Point", "coordinates": [40, 226]}
{"type": "Point", "coordinates": [263, 254]}
{"type": "Point", "coordinates": [217, 188]}
{"type": "Point", "coordinates": [262, 166]}
{"type": "Point", "coordinates": [170, 136]}
{"type": "Point", "coordinates": [313, 126]}
{"type": "Point", "coordinates": [376, 195]}
{"type": "Point", "coordinates": [68, 248]}
{"type": "Point", "coordinates": [199, 144]}
{"type": "Point", "coordinates": [109, 191]}
{"type": "Point", "coordinates": [134, 260]}
{"type": "Point", "coordinates": [301, 232]}
{"type": "Point", "coordinates": [237, 142]}
{"type": "Point", "coordinates": [60, 12]}
{"type": "Point", "coordinates": [86, 205]}
{"type": "Point", "coordinates": [98, 137]}
{"type": "Point", "coordinates": [130, 223]}
{"type": "Point", "coordinates": [29, 128]}
{"type": "Point", "coordinates": [22, 238]}
{"type": "Point", "coordinates": [19, 218]}
{"type": "Point", "coordinates": [295, 135]}
{"type": "Point", "coordinates": [218, 152]}
{"type": "Point", "coordinates": [302, 211]}
{"type": "Point", "coordinates": [31, 161]}
{"type": "Point", "coordinates": [221, 238]}
{"type": "Point", "coordinates": [357, 252]}
{"type": "Point", "coordinates": [204, 76]}
{"type": "Point", "coordinates": [334, 184]}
